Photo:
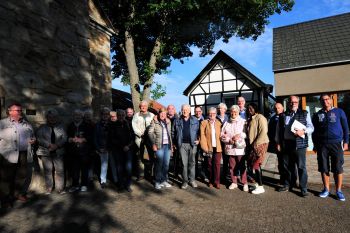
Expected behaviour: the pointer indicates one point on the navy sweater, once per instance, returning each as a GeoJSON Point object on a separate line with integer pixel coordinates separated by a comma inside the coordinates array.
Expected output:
{"type": "Point", "coordinates": [330, 127]}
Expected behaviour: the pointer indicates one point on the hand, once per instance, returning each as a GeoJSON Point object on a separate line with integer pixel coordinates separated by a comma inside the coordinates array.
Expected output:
{"type": "Point", "coordinates": [126, 148]}
{"type": "Point", "coordinates": [53, 147]}
{"type": "Point", "coordinates": [196, 142]}
{"type": "Point", "coordinates": [32, 141]}
{"type": "Point", "coordinates": [345, 146]}
{"type": "Point", "coordinates": [278, 147]}
{"type": "Point", "coordinates": [154, 147]}
{"type": "Point", "coordinates": [299, 133]}
{"type": "Point", "coordinates": [236, 137]}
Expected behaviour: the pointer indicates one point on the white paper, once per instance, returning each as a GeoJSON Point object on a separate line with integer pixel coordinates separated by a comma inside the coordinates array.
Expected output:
{"type": "Point", "coordinates": [297, 126]}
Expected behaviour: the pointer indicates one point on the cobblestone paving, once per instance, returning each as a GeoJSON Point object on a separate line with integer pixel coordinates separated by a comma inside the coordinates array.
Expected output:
{"type": "Point", "coordinates": [175, 210]}
{"type": "Point", "coordinates": [193, 210]}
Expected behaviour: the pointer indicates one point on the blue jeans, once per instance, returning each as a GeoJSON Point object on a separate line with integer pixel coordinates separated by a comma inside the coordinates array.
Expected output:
{"type": "Point", "coordinates": [162, 164]}
{"type": "Point", "coordinates": [124, 166]}
{"type": "Point", "coordinates": [104, 166]}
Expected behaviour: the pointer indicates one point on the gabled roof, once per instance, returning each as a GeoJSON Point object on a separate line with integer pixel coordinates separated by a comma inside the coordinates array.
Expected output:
{"type": "Point", "coordinates": [222, 56]}
{"type": "Point", "coordinates": [318, 42]}
{"type": "Point", "coordinates": [101, 18]}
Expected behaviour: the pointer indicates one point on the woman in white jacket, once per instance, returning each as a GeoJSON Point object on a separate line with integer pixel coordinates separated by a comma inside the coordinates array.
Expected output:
{"type": "Point", "coordinates": [233, 135]}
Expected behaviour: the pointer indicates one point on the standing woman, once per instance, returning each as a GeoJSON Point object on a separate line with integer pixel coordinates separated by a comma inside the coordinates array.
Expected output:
{"type": "Point", "coordinates": [210, 130]}
{"type": "Point", "coordinates": [258, 143]}
{"type": "Point", "coordinates": [233, 135]}
{"type": "Point", "coordinates": [51, 138]}
{"type": "Point", "coordinates": [160, 136]}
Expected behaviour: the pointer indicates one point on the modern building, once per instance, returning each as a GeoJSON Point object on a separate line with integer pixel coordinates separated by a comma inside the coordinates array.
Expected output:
{"type": "Point", "coordinates": [223, 80]}
{"type": "Point", "coordinates": [311, 58]}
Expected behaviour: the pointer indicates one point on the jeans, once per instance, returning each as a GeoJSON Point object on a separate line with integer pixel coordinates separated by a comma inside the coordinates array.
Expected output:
{"type": "Point", "coordinates": [188, 155]}
{"type": "Point", "coordinates": [162, 164]}
{"type": "Point", "coordinates": [104, 166]}
{"type": "Point", "coordinates": [124, 166]}
{"type": "Point", "coordinates": [56, 162]}
{"type": "Point", "coordinates": [294, 161]}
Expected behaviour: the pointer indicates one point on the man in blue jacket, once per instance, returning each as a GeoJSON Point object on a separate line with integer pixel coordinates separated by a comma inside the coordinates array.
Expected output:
{"type": "Point", "coordinates": [185, 133]}
{"type": "Point", "coordinates": [331, 129]}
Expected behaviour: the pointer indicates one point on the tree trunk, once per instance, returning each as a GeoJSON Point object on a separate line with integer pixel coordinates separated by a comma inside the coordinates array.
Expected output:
{"type": "Point", "coordinates": [132, 69]}
{"type": "Point", "coordinates": [152, 63]}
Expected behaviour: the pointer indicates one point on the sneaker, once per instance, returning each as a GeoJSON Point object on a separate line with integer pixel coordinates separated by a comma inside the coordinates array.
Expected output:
{"type": "Point", "coordinates": [258, 190]}
{"type": "Point", "coordinates": [283, 189]}
{"type": "Point", "coordinates": [324, 193]}
{"type": "Point", "coordinates": [340, 195]}
{"type": "Point", "coordinates": [158, 186]}
{"type": "Point", "coordinates": [83, 189]}
{"type": "Point", "coordinates": [233, 186]}
{"type": "Point", "coordinates": [206, 180]}
{"type": "Point", "coordinates": [184, 186]}
{"type": "Point", "coordinates": [166, 184]}
{"type": "Point", "coordinates": [304, 193]}
{"type": "Point", "coordinates": [193, 184]}
{"type": "Point", "coordinates": [245, 188]}
{"type": "Point", "coordinates": [61, 192]}
{"type": "Point", "coordinates": [73, 189]}
{"type": "Point", "coordinates": [48, 192]}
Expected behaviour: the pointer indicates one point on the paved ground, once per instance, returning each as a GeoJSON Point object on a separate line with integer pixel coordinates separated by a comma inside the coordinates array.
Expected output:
{"type": "Point", "coordinates": [175, 210]}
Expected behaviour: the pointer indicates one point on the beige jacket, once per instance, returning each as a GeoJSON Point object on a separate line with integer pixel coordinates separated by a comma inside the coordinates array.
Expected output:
{"type": "Point", "coordinates": [257, 130]}
{"type": "Point", "coordinates": [205, 136]}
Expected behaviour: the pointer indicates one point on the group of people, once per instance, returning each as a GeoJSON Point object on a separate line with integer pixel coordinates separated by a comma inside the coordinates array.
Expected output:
{"type": "Point", "coordinates": [143, 143]}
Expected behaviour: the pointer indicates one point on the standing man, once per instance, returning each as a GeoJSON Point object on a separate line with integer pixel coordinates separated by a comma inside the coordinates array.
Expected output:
{"type": "Point", "coordinates": [274, 136]}
{"type": "Point", "coordinates": [140, 123]}
{"type": "Point", "coordinates": [331, 129]}
{"type": "Point", "coordinates": [100, 140]}
{"type": "Point", "coordinates": [16, 139]}
{"type": "Point", "coordinates": [172, 115]}
{"type": "Point", "coordinates": [242, 109]}
{"type": "Point", "coordinates": [201, 170]}
{"type": "Point", "coordinates": [185, 133]}
{"type": "Point", "coordinates": [294, 145]}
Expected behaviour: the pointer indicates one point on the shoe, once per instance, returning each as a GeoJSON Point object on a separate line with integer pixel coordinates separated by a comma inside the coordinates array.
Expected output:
{"type": "Point", "coordinates": [158, 186]}
{"type": "Point", "coordinates": [324, 193]}
{"type": "Point", "coordinates": [193, 184]}
{"type": "Point", "coordinates": [48, 192]}
{"type": "Point", "coordinates": [166, 184]}
{"type": "Point", "coordinates": [22, 198]}
{"type": "Point", "coordinates": [73, 189]}
{"type": "Point", "coordinates": [245, 188]}
{"type": "Point", "coordinates": [210, 185]}
{"type": "Point", "coordinates": [304, 193]}
{"type": "Point", "coordinates": [283, 189]}
{"type": "Point", "coordinates": [232, 186]}
{"type": "Point", "coordinates": [83, 189]}
{"type": "Point", "coordinates": [340, 195]}
{"type": "Point", "coordinates": [103, 185]}
{"type": "Point", "coordinates": [206, 180]}
{"type": "Point", "coordinates": [217, 186]}
{"type": "Point", "coordinates": [260, 189]}
{"type": "Point", "coordinates": [128, 189]}
{"type": "Point", "coordinates": [140, 178]}
{"type": "Point", "coordinates": [184, 186]}
{"type": "Point", "coordinates": [61, 192]}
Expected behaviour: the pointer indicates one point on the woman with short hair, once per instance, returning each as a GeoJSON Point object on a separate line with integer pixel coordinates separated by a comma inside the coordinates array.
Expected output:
{"type": "Point", "coordinates": [160, 136]}
{"type": "Point", "coordinates": [233, 135]}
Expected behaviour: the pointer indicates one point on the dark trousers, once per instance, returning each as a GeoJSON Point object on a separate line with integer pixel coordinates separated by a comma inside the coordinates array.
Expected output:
{"type": "Point", "coordinates": [294, 161]}
{"type": "Point", "coordinates": [12, 177]}
{"type": "Point", "coordinates": [124, 166]}
{"type": "Point", "coordinates": [281, 169]}
{"type": "Point", "coordinates": [80, 165]}
{"type": "Point", "coordinates": [214, 164]}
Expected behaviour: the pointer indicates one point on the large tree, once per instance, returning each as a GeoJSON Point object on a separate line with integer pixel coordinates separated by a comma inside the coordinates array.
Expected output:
{"type": "Point", "coordinates": [151, 33]}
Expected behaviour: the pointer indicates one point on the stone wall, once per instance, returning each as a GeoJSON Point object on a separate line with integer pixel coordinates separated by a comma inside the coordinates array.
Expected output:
{"type": "Point", "coordinates": [53, 54]}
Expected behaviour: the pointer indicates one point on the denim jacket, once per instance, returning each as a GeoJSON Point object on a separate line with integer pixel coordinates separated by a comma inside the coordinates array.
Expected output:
{"type": "Point", "coordinates": [176, 131]}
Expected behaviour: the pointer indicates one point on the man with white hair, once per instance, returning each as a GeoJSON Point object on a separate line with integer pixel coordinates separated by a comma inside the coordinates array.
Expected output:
{"type": "Point", "coordinates": [242, 109]}
{"type": "Point", "coordinates": [140, 123]}
{"type": "Point", "coordinates": [186, 137]}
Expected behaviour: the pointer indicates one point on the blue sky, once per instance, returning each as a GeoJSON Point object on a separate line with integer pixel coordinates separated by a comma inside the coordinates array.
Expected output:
{"type": "Point", "coordinates": [256, 56]}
